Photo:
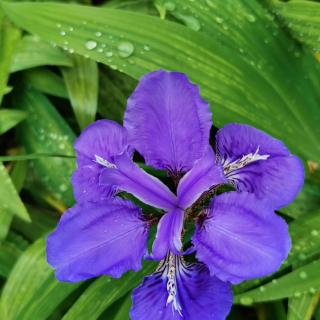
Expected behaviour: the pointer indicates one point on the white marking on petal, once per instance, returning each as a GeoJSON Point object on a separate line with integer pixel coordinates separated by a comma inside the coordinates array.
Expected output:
{"type": "Point", "coordinates": [104, 162]}
{"type": "Point", "coordinates": [243, 161]}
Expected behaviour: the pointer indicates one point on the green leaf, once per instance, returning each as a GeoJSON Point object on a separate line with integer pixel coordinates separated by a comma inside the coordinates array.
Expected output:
{"type": "Point", "coordinates": [31, 291]}
{"type": "Point", "coordinates": [115, 87]}
{"type": "Point", "coordinates": [46, 81]}
{"type": "Point", "coordinates": [9, 253]}
{"type": "Point", "coordinates": [43, 221]}
{"type": "Point", "coordinates": [103, 292]}
{"type": "Point", "coordinates": [240, 86]}
{"type": "Point", "coordinates": [82, 82]}
{"type": "Point", "coordinates": [10, 203]}
{"type": "Point", "coordinates": [307, 201]}
{"type": "Point", "coordinates": [302, 307]}
{"type": "Point", "coordinates": [123, 311]}
{"type": "Point", "coordinates": [32, 52]}
{"type": "Point", "coordinates": [9, 36]}
{"type": "Point", "coordinates": [143, 6]}
{"type": "Point", "coordinates": [10, 118]}
{"type": "Point", "coordinates": [302, 280]}
{"type": "Point", "coordinates": [303, 20]}
{"type": "Point", "coordinates": [45, 131]}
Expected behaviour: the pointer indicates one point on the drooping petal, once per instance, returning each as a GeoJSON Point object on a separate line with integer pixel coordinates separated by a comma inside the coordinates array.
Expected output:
{"type": "Point", "coordinates": [168, 122]}
{"type": "Point", "coordinates": [168, 236]}
{"type": "Point", "coordinates": [241, 238]}
{"type": "Point", "coordinates": [258, 163]}
{"type": "Point", "coordinates": [205, 174]}
{"type": "Point", "coordinates": [180, 292]}
{"type": "Point", "coordinates": [107, 238]}
{"type": "Point", "coordinates": [96, 147]}
{"type": "Point", "coordinates": [127, 176]}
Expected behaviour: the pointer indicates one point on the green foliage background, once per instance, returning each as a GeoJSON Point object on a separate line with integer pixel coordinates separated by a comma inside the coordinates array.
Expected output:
{"type": "Point", "coordinates": [65, 63]}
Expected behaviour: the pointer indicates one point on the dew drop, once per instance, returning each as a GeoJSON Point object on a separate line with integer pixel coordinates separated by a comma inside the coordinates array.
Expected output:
{"type": "Point", "coordinates": [262, 289]}
{"type": "Point", "coordinates": [247, 301]}
{"type": "Point", "coordinates": [170, 6]}
{"type": "Point", "coordinates": [100, 50]}
{"type": "Point", "coordinates": [91, 44]}
{"type": "Point", "coordinates": [109, 54]}
{"type": "Point", "coordinates": [62, 33]}
{"type": "Point", "coordinates": [191, 22]}
{"type": "Point", "coordinates": [125, 49]}
{"type": "Point", "coordinates": [312, 290]}
{"type": "Point", "coordinates": [219, 20]}
{"type": "Point", "coordinates": [251, 18]}
{"type": "Point", "coordinates": [98, 34]}
{"type": "Point", "coordinates": [58, 25]}
{"type": "Point", "coordinates": [303, 275]}
{"type": "Point", "coordinates": [314, 233]}
{"type": "Point", "coordinates": [146, 47]}
{"type": "Point", "coordinates": [297, 294]}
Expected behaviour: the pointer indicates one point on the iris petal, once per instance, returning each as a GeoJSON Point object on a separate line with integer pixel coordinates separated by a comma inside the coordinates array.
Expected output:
{"type": "Point", "coordinates": [93, 239]}
{"type": "Point", "coordinates": [168, 236]}
{"type": "Point", "coordinates": [204, 175]}
{"type": "Point", "coordinates": [102, 139]}
{"type": "Point", "coordinates": [194, 294]}
{"type": "Point", "coordinates": [168, 122]}
{"type": "Point", "coordinates": [241, 238]}
{"type": "Point", "coordinates": [269, 170]}
{"type": "Point", "coordinates": [127, 176]}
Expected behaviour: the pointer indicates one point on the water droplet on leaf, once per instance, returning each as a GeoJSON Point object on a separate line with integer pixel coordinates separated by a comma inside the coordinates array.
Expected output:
{"type": "Point", "coordinates": [91, 44]}
{"type": "Point", "coordinates": [125, 49]}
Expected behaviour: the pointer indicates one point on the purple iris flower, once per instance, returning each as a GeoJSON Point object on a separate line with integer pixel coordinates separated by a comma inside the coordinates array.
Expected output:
{"type": "Point", "coordinates": [238, 236]}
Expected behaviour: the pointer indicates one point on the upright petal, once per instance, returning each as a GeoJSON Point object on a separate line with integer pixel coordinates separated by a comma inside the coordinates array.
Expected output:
{"type": "Point", "coordinates": [97, 146]}
{"type": "Point", "coordinates": [181, 291]}
{"type": "Point", "coordinates": [167, 121]}
{"type": "Point", "coordinates": [103, 138]}
{"type": "Point", "coordinates": [256, 162]}
{"type": "Point", "coordinates": [107, 238]}
{"type": "Point", "coordinates": [241, 238]}
{"type": "Point", "coordinates": [127, 176]}
{"type": "Point", "coordinates": [168, 236]}
{"type": "Point", "coordinates": [204, 175]}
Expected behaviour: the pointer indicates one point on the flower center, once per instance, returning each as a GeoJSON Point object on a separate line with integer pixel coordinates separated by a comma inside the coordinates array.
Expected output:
{"type": "Point", "coordinates": [243, 161]}
{"type": "Point", "coordinates": [104, 162]}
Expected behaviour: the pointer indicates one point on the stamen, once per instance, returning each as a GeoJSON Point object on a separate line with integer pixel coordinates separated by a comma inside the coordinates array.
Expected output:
{"type": "Point", "coordinates": [104, 162]}
{"type": "Point", "coordinates": [245, 160]}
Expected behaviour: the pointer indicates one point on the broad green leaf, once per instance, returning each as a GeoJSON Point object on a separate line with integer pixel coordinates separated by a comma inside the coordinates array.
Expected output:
{"type": "Point", "coordinates": [82, 81]}
{"type": "Point", "coordinates": [103, 292]}
{"type": "Point", "coordinates": [303, 20]}
{"type": "Point", "coordinates": [307, 201]}
{"type": "Point", "coordinates": [32, 52]}
{"type": "Point", "coordinates": [10, 203]}
{"type": "Point", "coordinates": [302, 307]}
{"type": "Point", "coordinates": [9, 36]}
{"type": "Point", "coordinates": [31, 291]}
{"type": "Point", "coordinates": [46, 81]}
{"type": "Point", "coordinates": [9, 253]}
{"type": "Point", "coordinates": [145, 6]}
{"type": "Point", "coordinates": [115, 89]}
{"type": "Point", "coordinates": [45, 131]}
{"type": "Point", "coordinates": [43, 221]}
{"type": "Point", "coordinates": [278, 100]}
{"type": "Point", "coordinates": [302, 280]}
{"type": "Point", "coordinates": [9, 118]}
{"type": "Point", "coordinates": [123, 311]}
